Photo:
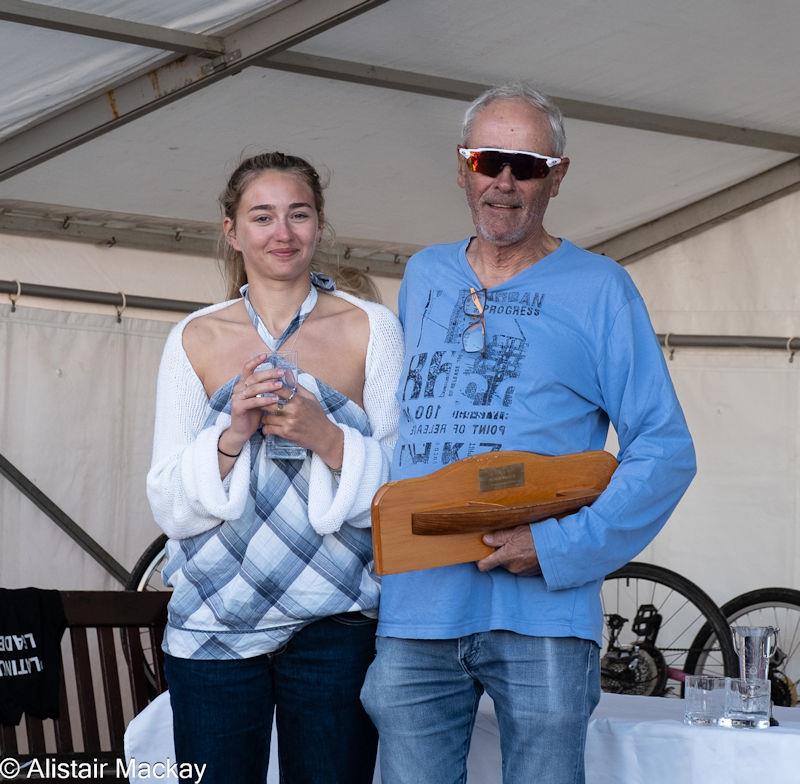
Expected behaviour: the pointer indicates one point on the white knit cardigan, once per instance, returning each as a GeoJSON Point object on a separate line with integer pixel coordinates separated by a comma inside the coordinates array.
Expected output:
{"type": "Point", "coordinates": [184, 487]}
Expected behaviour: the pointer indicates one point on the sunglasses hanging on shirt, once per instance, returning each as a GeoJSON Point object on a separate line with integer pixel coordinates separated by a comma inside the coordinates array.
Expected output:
{"type": "Point", "coordinates": [473, 338]}
{"type": "Point", "coordinates": [524, 165]}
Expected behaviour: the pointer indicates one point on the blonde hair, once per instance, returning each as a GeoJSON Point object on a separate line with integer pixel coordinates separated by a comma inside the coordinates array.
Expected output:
{"type": "Point", "coordinates": [351, 280]}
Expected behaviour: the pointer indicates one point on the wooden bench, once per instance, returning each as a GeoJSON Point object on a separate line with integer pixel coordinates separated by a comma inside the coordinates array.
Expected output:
{"type": "Point", "coordinates": [112, 666]}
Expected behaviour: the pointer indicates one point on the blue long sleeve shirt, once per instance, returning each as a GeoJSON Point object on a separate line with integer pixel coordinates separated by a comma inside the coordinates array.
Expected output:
{"type": "Point", "coordinates": [569, 348]}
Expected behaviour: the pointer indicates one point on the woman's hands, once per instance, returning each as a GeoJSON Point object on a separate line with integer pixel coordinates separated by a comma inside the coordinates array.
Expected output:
{"type": "Point", "coordinates": [247, 408]}
{"type": "Point", "coordinates": [296, 416]}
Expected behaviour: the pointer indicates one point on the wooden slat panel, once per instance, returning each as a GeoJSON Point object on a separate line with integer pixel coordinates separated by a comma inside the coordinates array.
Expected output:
{"type": "Point", "coordinates": [136, 668]}
{"type": "Point", "coordinates": [35, 731]}
{"type": "Point", "coordinates": [86, 702]}
{"type": "Point", "coordinates": [8, 740]}
{"type": "Point", "coordinates": [62, 724]}
{"type": "Point", "coordinates": [108, 668]}
{"type": "Point", "coordinates": [135, 615]}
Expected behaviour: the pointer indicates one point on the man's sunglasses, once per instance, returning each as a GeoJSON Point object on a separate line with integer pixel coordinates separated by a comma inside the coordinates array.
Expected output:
{"type": "Point", "coordinates": [524, 165]}
{"type": "Point", "coordinates": [473, 338]}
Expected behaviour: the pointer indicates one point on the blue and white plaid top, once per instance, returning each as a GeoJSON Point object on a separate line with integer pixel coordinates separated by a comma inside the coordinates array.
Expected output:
{"type": "Point", "coordinates": [245, 587]}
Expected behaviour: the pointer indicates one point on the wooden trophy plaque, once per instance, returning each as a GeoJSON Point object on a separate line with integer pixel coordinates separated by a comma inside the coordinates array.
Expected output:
{"type": "Point", "coordinates": [439, 519]}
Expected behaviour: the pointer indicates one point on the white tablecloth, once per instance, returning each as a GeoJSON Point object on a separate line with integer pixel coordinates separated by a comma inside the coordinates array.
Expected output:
{"type": "Point", "coordinates": [631, 740]}
{"type": "Point", "coordinates": [644, 739]}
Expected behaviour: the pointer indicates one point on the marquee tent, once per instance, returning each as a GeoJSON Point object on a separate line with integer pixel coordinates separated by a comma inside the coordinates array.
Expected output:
{"type": "Point", "coordinates": [121, 118]}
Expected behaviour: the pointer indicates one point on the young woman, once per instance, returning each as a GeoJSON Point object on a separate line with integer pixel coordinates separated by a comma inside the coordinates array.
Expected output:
{"type": "Point", "coordinates": [270, 559]}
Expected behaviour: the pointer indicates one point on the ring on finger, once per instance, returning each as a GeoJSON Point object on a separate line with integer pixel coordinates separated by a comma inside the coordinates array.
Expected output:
{"type": "Point", "coordinates": [292, 395]}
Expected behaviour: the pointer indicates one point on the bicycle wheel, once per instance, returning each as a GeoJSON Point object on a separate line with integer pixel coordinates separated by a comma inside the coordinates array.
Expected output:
{"type": "Point", "coordinates": [779, 607]}
{"type": "Point", "coordinates": [146, 574]}
{"type": "Point", "coordinates": [652, 618]}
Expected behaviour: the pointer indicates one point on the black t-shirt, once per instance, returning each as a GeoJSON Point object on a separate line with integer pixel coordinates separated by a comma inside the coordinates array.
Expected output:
{"type": "Point", "coordinates": [31, 624]}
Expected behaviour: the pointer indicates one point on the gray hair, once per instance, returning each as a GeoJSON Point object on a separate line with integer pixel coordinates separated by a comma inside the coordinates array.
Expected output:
{"type": "Point", "coordinates": [523, 92]}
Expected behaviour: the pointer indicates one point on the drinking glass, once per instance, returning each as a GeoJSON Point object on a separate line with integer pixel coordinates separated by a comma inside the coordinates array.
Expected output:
{"type": "Point", "coordinates": [704, 700]}
{"type": "Point", "coordinates": [286, 360]}
{"type": "Point", "coordinates": [747, 703]}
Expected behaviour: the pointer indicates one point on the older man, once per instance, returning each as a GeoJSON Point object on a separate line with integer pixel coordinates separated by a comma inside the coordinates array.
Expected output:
{"type": "Point", "coordinates": [516, 339]}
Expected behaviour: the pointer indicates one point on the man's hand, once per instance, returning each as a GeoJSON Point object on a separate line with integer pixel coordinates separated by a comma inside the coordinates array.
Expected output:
{"type": "Point", "coordinates": [515, 551]}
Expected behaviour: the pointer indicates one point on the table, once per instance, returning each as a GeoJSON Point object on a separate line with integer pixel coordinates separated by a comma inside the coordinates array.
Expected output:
{"type": "Point", "coordinates": [644, 739]}
{"type": "Point", "coordinates": [631, 740]}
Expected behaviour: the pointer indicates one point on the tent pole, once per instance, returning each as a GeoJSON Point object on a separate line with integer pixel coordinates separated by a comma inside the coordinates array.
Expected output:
{"type": "Point", "coordinates": [670, 341]}
{"type": "Point", "coordinates": [100, 297]}
{"type": "Point", "coordinates": [63, 521]}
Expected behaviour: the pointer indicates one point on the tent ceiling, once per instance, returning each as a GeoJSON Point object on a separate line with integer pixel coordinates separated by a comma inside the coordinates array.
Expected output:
{"type": "Point", "coordinates": [112, 29]}
{"type": "Point", "coordinates": [46, 70]}
{"type": "Point", "coordinates": [728, 61]}
{"type": "Point", "coordinates": [391, 154]}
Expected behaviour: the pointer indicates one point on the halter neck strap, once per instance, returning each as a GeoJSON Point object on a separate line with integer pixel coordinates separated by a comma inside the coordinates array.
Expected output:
{"type": "Point", "coordinates": [302, 314]}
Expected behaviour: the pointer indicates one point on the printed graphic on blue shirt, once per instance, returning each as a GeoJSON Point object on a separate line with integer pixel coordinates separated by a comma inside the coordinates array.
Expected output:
{"type": "Point", "coordinates": [461, 395]}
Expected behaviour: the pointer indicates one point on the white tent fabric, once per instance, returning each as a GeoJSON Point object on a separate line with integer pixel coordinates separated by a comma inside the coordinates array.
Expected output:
{"type": "Point", "coordinates": [392, 153]}
{"type": "Point", "coordinates": [737, 528]}
{"type": "Point", "coordinates": [76, 414]}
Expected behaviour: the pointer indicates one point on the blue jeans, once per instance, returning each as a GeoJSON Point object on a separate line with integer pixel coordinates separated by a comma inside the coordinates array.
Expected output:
{"type": "Point", "coordinates": [423, 696]}
{"type": "Point", "coordinates": [222, 710]}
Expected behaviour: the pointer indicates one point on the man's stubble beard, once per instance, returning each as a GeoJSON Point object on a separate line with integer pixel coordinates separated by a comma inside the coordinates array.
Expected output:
{"type": "Point", "coordinates": [510, 236]}
{"type": "Point", "coordinates": [501, 238]}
